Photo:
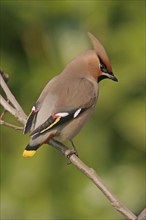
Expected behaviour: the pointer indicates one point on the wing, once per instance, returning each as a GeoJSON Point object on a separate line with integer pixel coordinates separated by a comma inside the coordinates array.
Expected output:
{"type": "Point", "coordinates": [58, 104]}
{"type": "Point", "coordinates": [56, 120]}
{"type": "Point", "coordinates": [31, 120]}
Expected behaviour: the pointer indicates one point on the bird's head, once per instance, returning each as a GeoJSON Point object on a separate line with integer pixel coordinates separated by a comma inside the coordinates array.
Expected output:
{"type": "Point", "coordinates": [101, 59]}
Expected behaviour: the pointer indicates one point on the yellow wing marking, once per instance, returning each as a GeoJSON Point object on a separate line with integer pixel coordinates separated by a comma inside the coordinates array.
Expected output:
{"type": "Point", "coordinates": [51, 125]}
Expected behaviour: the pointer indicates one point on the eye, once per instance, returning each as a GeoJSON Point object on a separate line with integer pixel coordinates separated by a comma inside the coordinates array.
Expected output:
{"type": "Point", "coordinates": [102, 66]}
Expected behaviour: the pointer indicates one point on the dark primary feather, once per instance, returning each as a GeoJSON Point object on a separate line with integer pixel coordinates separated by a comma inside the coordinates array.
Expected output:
{"type": "Point", "coordinates": [30, 121]}
{"type": "Point", "coordinates": [31, 118]}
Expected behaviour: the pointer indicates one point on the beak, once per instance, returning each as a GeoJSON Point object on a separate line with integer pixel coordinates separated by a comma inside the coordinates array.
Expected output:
{"type": "Point", "coordinates": [107, 76]}
{"type": "Point", "coordinates": [111, 76]}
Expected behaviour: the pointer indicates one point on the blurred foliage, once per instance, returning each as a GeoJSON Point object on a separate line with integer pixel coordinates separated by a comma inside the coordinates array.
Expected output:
{"type": "Point", "coordinates": [38, 38]}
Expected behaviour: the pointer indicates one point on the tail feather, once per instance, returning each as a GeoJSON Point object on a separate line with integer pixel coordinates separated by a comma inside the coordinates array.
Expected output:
{"type": "Point", "coordinates": [35, 143]}
{"type": "Point", "coordinates": [30, 151]}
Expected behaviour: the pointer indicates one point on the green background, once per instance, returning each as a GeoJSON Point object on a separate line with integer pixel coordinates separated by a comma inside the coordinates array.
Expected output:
{"type": "Point", "coordinates": [38, 38]}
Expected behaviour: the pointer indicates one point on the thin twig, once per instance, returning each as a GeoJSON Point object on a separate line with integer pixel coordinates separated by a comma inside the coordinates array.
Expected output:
{"type": "Point", "coordinates": [2, 114]}
{"type": "Point", "coordinates": [10, 96]}
{"type": "Point", "coordinates": [11, 125]}
{"type": "Point", "coordinates": [17, 114]}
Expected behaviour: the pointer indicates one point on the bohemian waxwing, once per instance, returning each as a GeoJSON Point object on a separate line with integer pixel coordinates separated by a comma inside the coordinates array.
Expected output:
{"type": "Point", "coordinates": [68, 100]}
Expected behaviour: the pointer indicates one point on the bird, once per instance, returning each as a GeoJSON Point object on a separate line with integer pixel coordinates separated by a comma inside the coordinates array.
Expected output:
{"type": "Point", "coordinates": [68, 99]}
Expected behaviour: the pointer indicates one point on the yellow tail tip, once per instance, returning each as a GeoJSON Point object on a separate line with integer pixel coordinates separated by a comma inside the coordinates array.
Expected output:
{"type": "Point", "coordinates": [29, 153]}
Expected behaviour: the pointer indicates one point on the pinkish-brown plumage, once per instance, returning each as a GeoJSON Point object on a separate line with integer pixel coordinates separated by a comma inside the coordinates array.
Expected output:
{"type": "Point", "coordinates": [68, 100]}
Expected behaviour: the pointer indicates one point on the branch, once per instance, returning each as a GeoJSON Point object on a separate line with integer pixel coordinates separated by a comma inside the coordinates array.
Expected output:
{"type": "Point", "coordinates": [17, 114]}
{"type": "Point", "coordinates": [87, 171]}
{"type": "Point", "coordinates": [10, 96]}
{"type": "Point", "coordinates": [142, 215]}
{"type": "Point", "coordinates": [14, 110]}
{"type": "Point", "coordinates": [91, 174]}
{"type": "Point", "coordinates": [10, 125]}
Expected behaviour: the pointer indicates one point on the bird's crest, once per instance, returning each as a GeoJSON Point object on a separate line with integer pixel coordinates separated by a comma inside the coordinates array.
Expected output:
{"type": "Point", "coordinates": [100, 51]}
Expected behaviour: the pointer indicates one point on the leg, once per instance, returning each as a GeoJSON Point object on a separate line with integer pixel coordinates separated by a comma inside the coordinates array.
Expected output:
{"type": "Point", "coordinates": [62, 148]}
{"type": "Point", "coordinates": [74, 150]}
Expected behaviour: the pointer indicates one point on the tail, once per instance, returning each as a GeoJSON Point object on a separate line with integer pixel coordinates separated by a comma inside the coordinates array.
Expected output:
{"type": "Point", "coordinates": [30, 150]}
{"type": "Point", "coordinates": [35, 142]}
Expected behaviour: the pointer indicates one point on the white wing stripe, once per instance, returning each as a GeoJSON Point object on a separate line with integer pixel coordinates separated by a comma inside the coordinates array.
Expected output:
{"type": "Point", "coordinates": [77, 112]}
{"type": "Point", "coordinates": [62, 114]}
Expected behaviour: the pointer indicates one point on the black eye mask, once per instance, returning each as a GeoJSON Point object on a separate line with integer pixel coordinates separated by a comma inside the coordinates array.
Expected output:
{"type": "Point", "coordinates": [103, 66]}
